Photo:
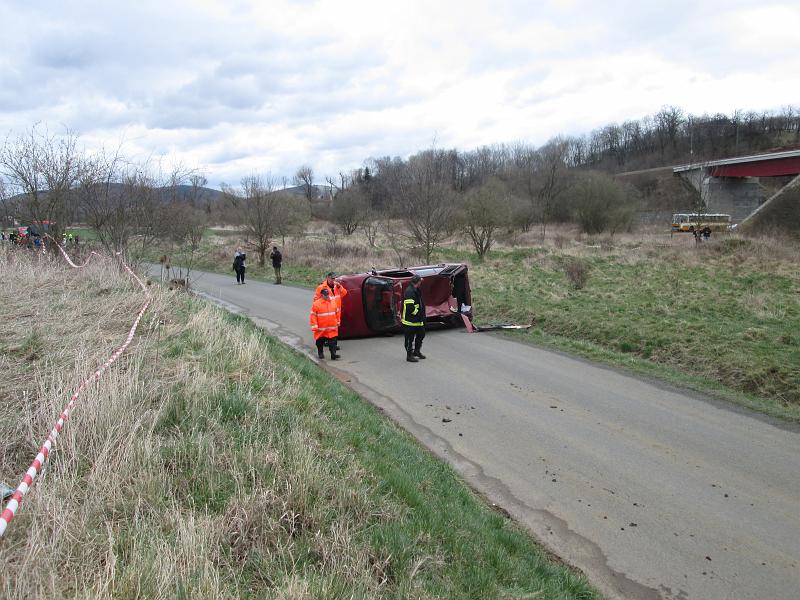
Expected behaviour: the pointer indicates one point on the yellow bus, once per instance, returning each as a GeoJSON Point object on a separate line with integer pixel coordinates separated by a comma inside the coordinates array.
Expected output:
{"type": "Point", "coordinates": [691, 222]}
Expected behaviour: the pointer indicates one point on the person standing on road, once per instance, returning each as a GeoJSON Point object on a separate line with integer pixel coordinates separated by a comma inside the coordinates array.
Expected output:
{"type": "Point", "coordinates": [336, 290]}
{"type": "Point", "coordinates": [276, 257]}
{"type": "Point", "coordinates": [324, 323]}
{"type": "Point", "coordinates": [239, 265]}
{"type": "Point", "coordinates": [413, 320]}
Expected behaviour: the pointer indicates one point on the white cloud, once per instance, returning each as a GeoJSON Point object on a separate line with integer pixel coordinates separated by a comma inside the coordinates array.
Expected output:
{"type": "Point", "coordinates": [243, 87]}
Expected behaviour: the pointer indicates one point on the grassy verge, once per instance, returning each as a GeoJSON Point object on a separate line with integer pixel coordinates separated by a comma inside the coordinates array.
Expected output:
{"type": "Point", "coordinates": [722, 317]}
{"type": "Point", "coordinates": [215, 462]}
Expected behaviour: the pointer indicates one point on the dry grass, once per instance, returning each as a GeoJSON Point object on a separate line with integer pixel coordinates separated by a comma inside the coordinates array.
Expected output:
{"type": "Point", "coordinates": [131, 505]}
{"type": "Point", "coordinates": [212, 462]}
{"type": "Point", "coordinates": [577, 271]}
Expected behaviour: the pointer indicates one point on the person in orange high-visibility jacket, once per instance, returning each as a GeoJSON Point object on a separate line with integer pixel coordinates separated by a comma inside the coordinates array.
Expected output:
{"type": "Point", "coordinates": [336, 290]}
{"type": "Point", "coordinates": [325, 323]}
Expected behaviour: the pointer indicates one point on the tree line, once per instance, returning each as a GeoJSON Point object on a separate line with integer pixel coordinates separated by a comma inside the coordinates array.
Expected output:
{"type": "Point", "coordinates": [419, 202]}
{"type": "Point", "coordinates": [131, 205]}
{"type": "Point", "coordinates": [436, 193]}
{"type": "Point", "coordinates": [671, 136]}
{"type": "Point", "coordinates": [416, 203]}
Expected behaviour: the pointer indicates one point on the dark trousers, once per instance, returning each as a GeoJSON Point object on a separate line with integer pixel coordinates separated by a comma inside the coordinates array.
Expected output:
{"type": "Point", "coordinates": [240, 275]}
{"type": "Point", "coordinates": [277, 274]}
{"type": "Point", "coordinates": [330, 342]}
{"type": "Point", "coordinates": [414, 337]}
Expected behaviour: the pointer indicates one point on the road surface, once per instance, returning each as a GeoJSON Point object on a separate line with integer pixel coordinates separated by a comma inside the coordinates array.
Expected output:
{"type": "Point", "coordinates": [651, 491]}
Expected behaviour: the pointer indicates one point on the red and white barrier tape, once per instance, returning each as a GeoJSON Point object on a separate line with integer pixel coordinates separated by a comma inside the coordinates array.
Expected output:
{"type": "Point", "coordinates": [36, 466]}
{"type": "Point", "coordinates": [69, 260]}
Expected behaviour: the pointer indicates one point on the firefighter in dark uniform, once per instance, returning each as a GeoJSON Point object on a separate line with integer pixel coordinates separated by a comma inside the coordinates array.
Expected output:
{"type": "Point", "coordinates": [413, 319]}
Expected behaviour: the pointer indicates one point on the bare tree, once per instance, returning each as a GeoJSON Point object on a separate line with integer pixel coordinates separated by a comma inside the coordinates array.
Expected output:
{"type": "Point", "coordinates": [668, 121]}
{"type": "Point", "coordinates": [259, 207]}
{"type": "Point", "coordinates": [370, 222]}
{"type": "Point", "coordinates": [130, 206]}
{"type": "Point", "coordinates": [197, 191]}
{"type": "Point", "coordinates": [344, 181]}
{"type": "Point", "coordinates": [424, 199]}
{"type": "Point", "coordinates": [396, 237]}
{"type": "Point", "coordinates": [6, 213]}
{"type": "Point", "coordinates": [602, 204]}
{"type": "Point", "coordinates": [348, 209]}
{"type": "Point", "coordinates": [187, 227]}
{"type": "Point", "coordinates": [105, 207]}
{"type": "Point", "coordinates": [553, 180]}
{"type": "Point", "coordinates": [483, 211]}
{"type": "Point", "coordinates": [151, 195]}
{"type": "Point", "coordinates": [525, 181]}
{"type": "Point", "coordinates": [304, 177]}
{"type": "Point", "coordinates": [291, 214]}
{"type": "Point", "coordinates": [43, 169]}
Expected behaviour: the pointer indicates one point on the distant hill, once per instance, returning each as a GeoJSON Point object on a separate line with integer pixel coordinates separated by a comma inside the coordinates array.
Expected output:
{"type": "Point", "coordinates": [323, 191]}
{"type": "Point", "coordinates": [187, 192]}
{"type": "Point", "coordinates": [205, 195]}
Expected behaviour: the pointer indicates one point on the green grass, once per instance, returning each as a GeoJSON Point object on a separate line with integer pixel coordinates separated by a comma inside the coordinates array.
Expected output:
{"type": "Point", "coordinates": [85, 233]}
{"type": "Point", "coordinates": [471, 551]}
{"type": "Point", "coordinates": [722, 318]}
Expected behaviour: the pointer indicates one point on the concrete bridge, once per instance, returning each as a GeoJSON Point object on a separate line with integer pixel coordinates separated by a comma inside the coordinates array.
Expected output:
{"type": "Point", "coordinates": [732, 185]}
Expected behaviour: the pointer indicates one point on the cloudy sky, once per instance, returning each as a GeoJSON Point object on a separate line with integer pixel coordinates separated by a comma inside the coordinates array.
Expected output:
{"type": "Point", "coordinates": [240, 87]}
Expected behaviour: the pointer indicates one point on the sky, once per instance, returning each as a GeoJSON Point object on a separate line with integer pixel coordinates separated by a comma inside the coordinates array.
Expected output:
{"type": "Point", "coordinates": [234, 88]}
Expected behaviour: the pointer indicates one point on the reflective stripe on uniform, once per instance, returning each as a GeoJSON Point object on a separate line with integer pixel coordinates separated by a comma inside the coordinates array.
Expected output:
{"type": "Point", "coordinates": [327, 314]}
{"type": "Point", "coordinates": [416, 310]}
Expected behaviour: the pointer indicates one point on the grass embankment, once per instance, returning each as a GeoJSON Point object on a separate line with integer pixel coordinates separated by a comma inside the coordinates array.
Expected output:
{"type": "Point", "coordinates": [212, 461]}
{"type": "Point", "coordinates": [722, 317]}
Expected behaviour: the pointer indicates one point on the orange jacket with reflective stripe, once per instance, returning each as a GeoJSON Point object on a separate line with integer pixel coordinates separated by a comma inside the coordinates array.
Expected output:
{"type": "Point", "coordinates": [338, 292]}
{"type": "Point", "coordinates": [324, 318]}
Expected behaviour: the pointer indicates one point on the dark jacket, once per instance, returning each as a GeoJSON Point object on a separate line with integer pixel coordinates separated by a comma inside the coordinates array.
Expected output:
{"type": "Point", "coordinates": [413, 314]}
{"type": "Point", "coordinates": [276, 257]}
{"type": "Point", "coordinates": [238, 262]}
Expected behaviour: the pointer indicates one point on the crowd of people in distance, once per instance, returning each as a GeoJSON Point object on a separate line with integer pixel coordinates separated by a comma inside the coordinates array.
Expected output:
{"type": "Point", "coordinates": [23, 236]}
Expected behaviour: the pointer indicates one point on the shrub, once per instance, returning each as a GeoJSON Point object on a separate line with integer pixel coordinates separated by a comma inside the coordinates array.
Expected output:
{"type": "Point", "coordinates": [602, 204]}
{"type": "Point", "coordinates": [577, 271]}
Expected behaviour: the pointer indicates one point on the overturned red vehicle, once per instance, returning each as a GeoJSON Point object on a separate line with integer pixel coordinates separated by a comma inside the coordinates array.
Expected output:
{"type": "Point", "coordinates": [374, 300]}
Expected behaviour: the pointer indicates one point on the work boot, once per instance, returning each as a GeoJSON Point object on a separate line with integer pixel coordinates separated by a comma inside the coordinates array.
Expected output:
{"type": "Point", "coordinates": [419, 354]}
{"type": "Point", "coordinates": [335, 356]}
{"type": "Point", "coordinates": [411, 358]}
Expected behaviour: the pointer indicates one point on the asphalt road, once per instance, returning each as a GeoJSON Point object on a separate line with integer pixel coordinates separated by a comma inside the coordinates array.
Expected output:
{"type": "Point", "coordinates": [651, 491]}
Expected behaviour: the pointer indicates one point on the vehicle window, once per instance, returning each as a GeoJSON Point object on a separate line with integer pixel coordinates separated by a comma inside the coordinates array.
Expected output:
{"type": "Point", "coordinates": [427, 272]}
{"type": "Point", "coordinates": [379, 306]}
{"type": "Point", "coordinates": [396, 273]}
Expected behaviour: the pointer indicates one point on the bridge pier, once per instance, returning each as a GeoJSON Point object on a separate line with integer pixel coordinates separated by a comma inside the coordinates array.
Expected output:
{"type": "Point", "coordinates": [734, 196]}
{"type": "Point", "coordinates": [731, 185]}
